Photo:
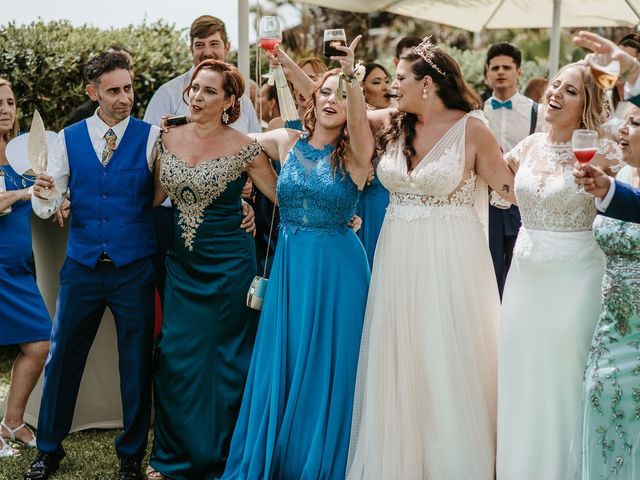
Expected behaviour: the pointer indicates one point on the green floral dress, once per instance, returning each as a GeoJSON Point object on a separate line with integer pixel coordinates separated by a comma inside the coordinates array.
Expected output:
{"type": "Point", "coordinates": [607, 442]}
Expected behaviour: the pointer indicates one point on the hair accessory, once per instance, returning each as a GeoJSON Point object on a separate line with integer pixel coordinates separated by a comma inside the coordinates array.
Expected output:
{"type": "Point", "coordinates": [225, 117]}
{"type": "Point", "coordinates": [425, 50]}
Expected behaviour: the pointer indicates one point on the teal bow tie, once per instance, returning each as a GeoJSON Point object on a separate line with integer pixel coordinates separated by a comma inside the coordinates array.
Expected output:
{"type": "Point", "coordinates": [497, 104]}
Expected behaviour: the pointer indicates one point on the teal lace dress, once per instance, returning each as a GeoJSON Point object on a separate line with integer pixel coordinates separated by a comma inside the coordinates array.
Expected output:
{"type": "Point", "coordinates": [607, 440]}
{"type": "Point", "coordinates": [295, 419]}
{"type": "Point", "coordinates": [204, 349]}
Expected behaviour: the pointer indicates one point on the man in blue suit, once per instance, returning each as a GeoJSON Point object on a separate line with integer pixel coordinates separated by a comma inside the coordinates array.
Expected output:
{"type": "Point", "coordinates": [613, 198]}
{"type": "Point", "coordinates": [106, 162]}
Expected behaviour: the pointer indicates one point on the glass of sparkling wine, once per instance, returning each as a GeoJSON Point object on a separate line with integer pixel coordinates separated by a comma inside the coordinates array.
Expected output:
{"type": "Point", "coordinates": [585, 146]}
{"type": "Point", "coordinates": [332, 38]}
{"type": "Point", "coordinates": [606, 73]}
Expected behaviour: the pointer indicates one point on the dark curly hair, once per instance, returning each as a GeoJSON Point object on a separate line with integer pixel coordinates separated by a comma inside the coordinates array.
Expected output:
{"type": "Point", "coordinates": [232, 83]}
{"type": "Point", "coordinates": [104, 63]}
{"type": "Point", "coordinates": [451, 88]}
{"type": "Point", "coordinates": [341, 153]}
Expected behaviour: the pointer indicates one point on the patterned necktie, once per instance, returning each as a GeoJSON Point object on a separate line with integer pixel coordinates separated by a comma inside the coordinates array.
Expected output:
{"type": "Point", "coordinates": [496, 104]}
{"type": "Point", "coordinates": [109, 146]}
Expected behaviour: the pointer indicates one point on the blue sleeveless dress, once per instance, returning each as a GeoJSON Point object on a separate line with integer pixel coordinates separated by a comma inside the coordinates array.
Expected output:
{"type": "Point", "coordinates": [372, 208]}
{"type": "Point", "coordinates": [295, 418]}
{"type": "Point", "coordinates": [23, 315]}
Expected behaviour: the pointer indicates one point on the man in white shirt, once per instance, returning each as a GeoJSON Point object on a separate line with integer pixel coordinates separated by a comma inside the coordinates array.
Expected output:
{"type": "Point", "coordinates": [512, 117]}
{"type": "Point", "coordinates": [207, 40]}
{"type": "Point", "coordinates": [106, 162]}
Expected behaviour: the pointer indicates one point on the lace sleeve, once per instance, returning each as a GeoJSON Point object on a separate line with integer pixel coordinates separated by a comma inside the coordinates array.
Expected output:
{"type": "Point", "coordinates": [610, 156]}
{"type": "Point", "coordinates": [516, 154]}
{"type": "Point", "coordinates": [249, 152]}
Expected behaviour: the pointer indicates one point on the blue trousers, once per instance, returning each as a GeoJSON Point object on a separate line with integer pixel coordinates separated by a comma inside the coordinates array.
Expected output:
{"type": "Point", "coordinates": [84, 293]}
{"type": "Point", "coordinates": [503, 232]}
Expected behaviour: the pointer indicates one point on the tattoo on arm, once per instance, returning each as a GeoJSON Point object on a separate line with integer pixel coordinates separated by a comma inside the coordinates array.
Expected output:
{"type": "Point", "coordinates": [505, 188]}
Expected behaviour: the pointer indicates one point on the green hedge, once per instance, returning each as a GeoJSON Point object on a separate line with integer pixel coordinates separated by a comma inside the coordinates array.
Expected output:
{"type": "Point", "coordinates": [44, 62]}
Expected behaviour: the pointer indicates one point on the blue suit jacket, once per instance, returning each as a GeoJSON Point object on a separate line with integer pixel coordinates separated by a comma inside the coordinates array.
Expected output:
{"type": "Point", "coordinates": [625, 204]}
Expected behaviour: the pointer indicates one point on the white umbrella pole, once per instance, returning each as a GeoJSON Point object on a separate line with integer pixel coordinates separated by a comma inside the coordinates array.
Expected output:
{"type": "Point", "coordinates": [554, 48]}
{"type": "Point", "coordinates": [243, 39]}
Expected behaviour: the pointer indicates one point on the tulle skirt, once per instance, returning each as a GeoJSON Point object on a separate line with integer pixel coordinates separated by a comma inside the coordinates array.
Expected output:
{"type": "Point", "coordinates": [426, 392]}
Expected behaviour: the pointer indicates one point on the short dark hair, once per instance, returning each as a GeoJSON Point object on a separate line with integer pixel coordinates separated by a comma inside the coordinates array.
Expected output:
{"type": "Point", "coordinates": [206, 25]}
{"type": "Point", "coordinates": [118, 48]}
{"type": "Point", "coordinates": [631, 40]}
{"type": "Point", "coordinates": [507, 49]}
{"type": "Point", "coordinates": [407, 42]}
{"type": "Point", "coordinates": [104, 63]}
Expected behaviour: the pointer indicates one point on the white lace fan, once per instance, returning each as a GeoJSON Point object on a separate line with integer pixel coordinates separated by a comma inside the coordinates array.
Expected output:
{"type": "Point", "coordinates": [18, 151]}
{"type": "Point", "coordinates": [288, 110]}
{"type": "Point", "coordinates": [38, 153]}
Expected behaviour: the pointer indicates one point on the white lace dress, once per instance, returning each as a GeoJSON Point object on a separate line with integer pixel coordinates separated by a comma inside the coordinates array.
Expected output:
{"type": "Point", "coordinates": [550, 307]}
{"type": "Point", "coordinates": [425, 401]}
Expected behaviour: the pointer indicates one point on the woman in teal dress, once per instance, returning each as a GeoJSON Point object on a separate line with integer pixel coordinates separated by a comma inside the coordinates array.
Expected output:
{"type": "Point", "coordinates": [606, 444]}
{"type": "Point", "coordinates": [24, 319]}
{"type": "Point", "coordinates": [295, 420]}
{"type": "Point", "coordinates": [374, 200]}
{"type": "Point", "coordinates": [203, 352]}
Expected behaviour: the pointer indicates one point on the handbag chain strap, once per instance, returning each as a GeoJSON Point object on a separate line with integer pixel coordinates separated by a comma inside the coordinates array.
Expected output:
{"type": "Point", "coordinates": [266, 260]}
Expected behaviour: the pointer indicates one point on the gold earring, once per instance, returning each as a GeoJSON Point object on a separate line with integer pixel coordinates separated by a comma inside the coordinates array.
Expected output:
{"type": "Point", "coordinates": [425, 93]}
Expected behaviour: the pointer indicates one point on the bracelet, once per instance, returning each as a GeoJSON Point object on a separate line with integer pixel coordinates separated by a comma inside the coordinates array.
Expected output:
{"type": "Point", "coordinates": [350, 79]}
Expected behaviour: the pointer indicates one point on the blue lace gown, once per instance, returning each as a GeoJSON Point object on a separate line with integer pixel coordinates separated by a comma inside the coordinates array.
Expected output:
{"type": "Point", "coordinates": [23, 315]}
{"type": "Point", "coordinates": [295, 418]}
{"type": "Point", "coordinates": [371, 209]}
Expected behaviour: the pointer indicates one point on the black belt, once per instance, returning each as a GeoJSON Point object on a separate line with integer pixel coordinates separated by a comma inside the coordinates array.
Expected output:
{"type": "Point", "coordinates": [104, 257]}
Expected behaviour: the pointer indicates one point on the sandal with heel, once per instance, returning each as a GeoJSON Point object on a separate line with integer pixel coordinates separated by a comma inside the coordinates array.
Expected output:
{"type": "Point", "coordinates": [12, 434]}
{"type": "Point", "coordinates": [5, 449]}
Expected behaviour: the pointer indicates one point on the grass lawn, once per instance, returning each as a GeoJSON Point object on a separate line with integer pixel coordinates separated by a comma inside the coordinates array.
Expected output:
{"type": "Point", "coordinates": [90, 454]}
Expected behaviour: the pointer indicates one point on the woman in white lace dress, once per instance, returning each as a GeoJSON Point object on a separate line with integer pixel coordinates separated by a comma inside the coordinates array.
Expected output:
{"type": "Point", "coordinates": [551, 299]}
{"type": "Point", "coordinates": [425, 403]}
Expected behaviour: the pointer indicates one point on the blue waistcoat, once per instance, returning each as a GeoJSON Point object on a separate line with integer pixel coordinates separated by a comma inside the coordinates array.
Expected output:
{"type": "Point", "coordinates": [110, 206]}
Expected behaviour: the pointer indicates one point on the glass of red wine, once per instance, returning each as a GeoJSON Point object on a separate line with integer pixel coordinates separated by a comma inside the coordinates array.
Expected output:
{"type": "Point", "coordinates": [585, 146]}
{"type": "Point", "coordinates": [332, 38]}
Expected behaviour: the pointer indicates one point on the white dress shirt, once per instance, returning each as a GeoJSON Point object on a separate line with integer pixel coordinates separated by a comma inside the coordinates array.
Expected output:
{"type": "Point", "coordinates": [168, 100]}
{"type": "Point", "coordinates": [58, 166]}
{"type": "Point", "coordinates": [510, 126]}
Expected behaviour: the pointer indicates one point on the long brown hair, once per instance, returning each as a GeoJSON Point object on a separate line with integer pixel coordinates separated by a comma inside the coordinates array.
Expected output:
{"type": "Point", "coordinates": [451, 88]}
{"type": "Point", "coordinates": [341, 153]}
{"type": "Point", "coordinates": [15, 128]}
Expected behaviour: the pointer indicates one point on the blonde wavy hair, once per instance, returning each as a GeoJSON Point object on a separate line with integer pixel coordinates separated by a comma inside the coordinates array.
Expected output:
{"type": "Point", "coordinates": [595, 110]}
{"type": "Point", "coordinates": [15, 128]}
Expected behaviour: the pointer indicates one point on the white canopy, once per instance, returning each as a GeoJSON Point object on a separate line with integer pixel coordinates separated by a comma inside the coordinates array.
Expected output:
{"type": "Point", "coordinates": [477, 15]}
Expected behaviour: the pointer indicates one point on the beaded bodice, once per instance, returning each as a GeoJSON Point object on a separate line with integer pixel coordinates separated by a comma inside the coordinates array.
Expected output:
{"type": "Point", "coordinates": [437, 179]}
{"type": "Point", "coordinates": [311, 196]}
{"type": "Point", "coordinates": [193, 188]}
{"type": "Point", "coordinates": [545, 188]}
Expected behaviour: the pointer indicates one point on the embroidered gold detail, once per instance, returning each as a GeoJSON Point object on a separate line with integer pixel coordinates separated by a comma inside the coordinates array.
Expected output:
{"type": "Point", "coordinates": [192, 189]}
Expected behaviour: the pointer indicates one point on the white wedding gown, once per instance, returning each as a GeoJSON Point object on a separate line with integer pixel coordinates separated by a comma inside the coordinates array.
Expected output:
{"type": "Point", "coordinates": [550, 308]}
{"type": "Point", "coordinates": [425, 405]}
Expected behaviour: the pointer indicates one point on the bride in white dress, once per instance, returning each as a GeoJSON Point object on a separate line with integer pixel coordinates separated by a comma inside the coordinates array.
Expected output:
{"type": "Point", "coordinates": [425, 405]}
{"type": "Point", "coordinates": [552, 298]}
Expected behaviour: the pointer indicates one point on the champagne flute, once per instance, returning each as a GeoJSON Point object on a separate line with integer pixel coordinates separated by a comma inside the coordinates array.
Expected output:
{"type": "Point", "coordinates": [333, 37]}
{"type": "Point", "coordinates": [606, 73]}
{"type": "Point", "coordinates": [585, 146]}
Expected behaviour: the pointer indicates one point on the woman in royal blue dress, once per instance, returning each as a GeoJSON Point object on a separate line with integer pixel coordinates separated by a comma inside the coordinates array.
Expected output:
{"type": "Point", "coordinates": [24, 319]}
{"type": "Point", "coordinates": [295, 418]}
{"type": "Point", "coordinates": [375, 198]}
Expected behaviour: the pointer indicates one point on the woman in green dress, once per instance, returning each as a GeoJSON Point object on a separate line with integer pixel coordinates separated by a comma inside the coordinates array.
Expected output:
{"type": "Point", "coordinates": [205, 346]}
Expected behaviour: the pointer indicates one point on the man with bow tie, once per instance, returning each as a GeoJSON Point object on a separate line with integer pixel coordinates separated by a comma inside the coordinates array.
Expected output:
{"type": "Point", "coordinates": [512, 117]}
{"type": "Point", "coordinates": [106, 162]}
